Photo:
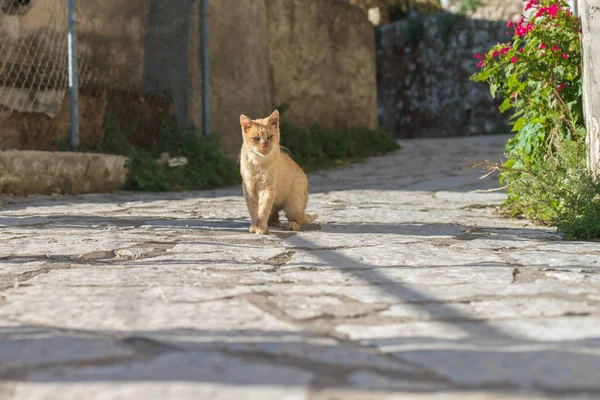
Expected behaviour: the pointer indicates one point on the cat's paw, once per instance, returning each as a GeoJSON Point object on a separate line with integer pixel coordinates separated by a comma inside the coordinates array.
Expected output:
{"type": "Point", "coordinates": [252, 229]}
{"type": "Point", "coordinates": [261, 231]}
{"type": "Point", "coordinates": [293, 226]}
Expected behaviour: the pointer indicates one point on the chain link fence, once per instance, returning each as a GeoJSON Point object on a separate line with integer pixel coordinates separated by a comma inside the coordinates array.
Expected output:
{"type": "Point", "coordinates": [34, 75]}
{"type": "Point", "coordinates": [33, 68]}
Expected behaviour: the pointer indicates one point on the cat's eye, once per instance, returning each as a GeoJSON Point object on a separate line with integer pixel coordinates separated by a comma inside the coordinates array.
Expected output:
{"type": "Point", "coordinates": [256, 139]}
{"type": "Point", "coordinates": [270, 137]}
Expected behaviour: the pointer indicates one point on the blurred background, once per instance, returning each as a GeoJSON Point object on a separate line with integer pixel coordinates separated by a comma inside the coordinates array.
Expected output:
{"type": "Point", "coordinates": [399, 65]}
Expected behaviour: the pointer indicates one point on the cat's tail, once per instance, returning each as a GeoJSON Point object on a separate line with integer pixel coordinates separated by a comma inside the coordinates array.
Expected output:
{"type": "Point", "coordinates": [308, 218]}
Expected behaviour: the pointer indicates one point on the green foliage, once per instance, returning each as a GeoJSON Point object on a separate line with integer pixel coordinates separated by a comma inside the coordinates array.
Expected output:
{"type": "Point", "coordinates": [538, 76]}
{"type": "Point", "coordinates": [579, 216]}
{"type": "Point", "coordinates": [560, 192]}
{"type": "Point", "coordinates": [206, 166]}
{"type": "Point", "coordinates": [317, 147]}
{"type": "Point", "coordinates": [115, 141]}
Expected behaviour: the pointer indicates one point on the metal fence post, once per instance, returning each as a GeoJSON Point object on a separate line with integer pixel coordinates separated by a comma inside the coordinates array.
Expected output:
{"type": "Point", "coordinates": [205, 72]}
{"type": "Point", "coordinates": [73, 78]}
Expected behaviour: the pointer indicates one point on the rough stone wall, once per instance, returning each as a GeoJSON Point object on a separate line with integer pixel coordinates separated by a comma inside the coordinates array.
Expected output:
{"type": "Point", "coordinates": [423, 85]}
{"type": "Point", "coordinates": [318, 55]}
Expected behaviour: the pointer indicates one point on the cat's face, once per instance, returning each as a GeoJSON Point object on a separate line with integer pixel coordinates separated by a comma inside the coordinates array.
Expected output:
{"type": "Point", "coordinates": [261, 135]}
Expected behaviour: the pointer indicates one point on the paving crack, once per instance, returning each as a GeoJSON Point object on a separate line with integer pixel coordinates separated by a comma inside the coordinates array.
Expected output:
{"type": "Point", "coordinates": [326, 328]}
{"type": "Point", "coordinates": [28, 275]}
{"type": "Point", "coordinates": [276, 261]}
{"type": "Point", "coordinates": [521, 273]}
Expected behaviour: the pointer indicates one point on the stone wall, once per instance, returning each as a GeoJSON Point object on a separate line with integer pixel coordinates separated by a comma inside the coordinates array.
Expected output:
{"type": "Point", "coordinates": [322, 58]}
{"type": "Point", "coordinates": [423, 77]}
{"type": "Point", "coordinates": [318, 55]}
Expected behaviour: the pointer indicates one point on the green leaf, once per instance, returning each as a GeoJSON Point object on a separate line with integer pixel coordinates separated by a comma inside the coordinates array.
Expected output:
{"type": "Point", "coordinates": [560, 72]}
{"type": "Point", "coordinates": [494, 89]}
{"type": "Point", "coordinates": [519, 124]}
{"type": "Point", "coordinates": [506, 105]}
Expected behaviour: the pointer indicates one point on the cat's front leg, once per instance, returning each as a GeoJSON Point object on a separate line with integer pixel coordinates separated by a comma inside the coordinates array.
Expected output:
{"type": "Point", "coordinates": [266, 197]}
{"type": "Point", "coordinates": [252, 203]}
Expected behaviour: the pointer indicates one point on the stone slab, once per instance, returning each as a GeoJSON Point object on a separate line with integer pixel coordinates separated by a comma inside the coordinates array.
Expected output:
{"type": "Point", "coordinates": [409, 286]}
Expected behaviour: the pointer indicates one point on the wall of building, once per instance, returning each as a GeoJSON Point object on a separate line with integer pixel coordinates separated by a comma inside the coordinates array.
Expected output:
{"type": "Point", "coordinates": [318, 55]}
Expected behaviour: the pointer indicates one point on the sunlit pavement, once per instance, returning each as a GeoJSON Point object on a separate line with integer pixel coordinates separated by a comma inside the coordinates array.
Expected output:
{"type": "Point", "coordinates": [410, 286]}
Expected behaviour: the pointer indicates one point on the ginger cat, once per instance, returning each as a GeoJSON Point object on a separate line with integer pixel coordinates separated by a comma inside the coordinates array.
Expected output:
{"type": "Point", "coordinates": [272, 181]}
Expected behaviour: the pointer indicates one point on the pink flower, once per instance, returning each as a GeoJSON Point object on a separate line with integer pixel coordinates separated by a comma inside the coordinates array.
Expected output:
{"type": "Point", "coordinates": [565, 56]}
{"type": "Point", "coordinates": [521, 50]}
{"type": "Point", "coordinates": [555, 48]}
{"type": "Point", "coordinates": [542, 46]}
{"type": "Point", "coordinates": [552, 10]}
{"type": "Point", "coordinates": [477, 55]}
{"type": "Point", "coordinates": [561, 86]}
{"type": "Point", "coordinates": [510, 23]}
{"type": "Point", "coordinates": [480, 64]}
{"type": "Point", "coordinates": [495, 53]}
{"type": "Point", "coordinates": [531, 3]}
{"type": "Point", "coordinates": [521, 29]}
{"type": "Point", "coordinates": [514, 59]}
{"type": "Point", "coordinates": [504, 50]}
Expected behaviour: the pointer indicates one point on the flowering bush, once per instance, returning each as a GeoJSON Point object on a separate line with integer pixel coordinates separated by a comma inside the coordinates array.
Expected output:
{"type": "Point", "coordinates": [538, 75]}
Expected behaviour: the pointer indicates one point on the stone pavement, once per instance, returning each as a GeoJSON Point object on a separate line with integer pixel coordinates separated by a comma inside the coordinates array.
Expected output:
{"type": "Point", "coordinates": [410, 287]}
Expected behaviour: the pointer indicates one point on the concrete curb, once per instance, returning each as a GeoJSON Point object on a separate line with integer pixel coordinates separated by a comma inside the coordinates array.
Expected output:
{"type": "Point", "coordinates": [43, 172]}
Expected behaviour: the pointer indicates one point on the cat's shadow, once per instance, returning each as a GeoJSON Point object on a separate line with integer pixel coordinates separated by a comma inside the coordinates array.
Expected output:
{"type": "Point", "coordinates": [283, 233]}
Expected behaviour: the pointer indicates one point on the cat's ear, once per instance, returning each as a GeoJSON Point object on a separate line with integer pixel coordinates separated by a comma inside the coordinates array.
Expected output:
{"type": "Point", "coordinates": [274, 119]}
{"type": "Point", "coordinates": [245, 122]}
